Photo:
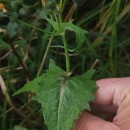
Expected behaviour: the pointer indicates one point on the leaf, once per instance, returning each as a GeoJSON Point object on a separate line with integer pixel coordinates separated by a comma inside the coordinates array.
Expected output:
{"type": "Point", "coordinates": [80, 33]}
{"type": "Point", "coordinates": [3, 45]}
{"type": "Point", "coordinates": [54, 24]}
{"type": "Point", "coordinates": [31, 86]}
{"type": "Point", "coordinates": [89, 74]}
{"type": "Point", "coordinates": [61, 99]}
{"type": "Point", "coordinates": [39, 81]}
{"type": "Point", "coordinates": [86, 78]}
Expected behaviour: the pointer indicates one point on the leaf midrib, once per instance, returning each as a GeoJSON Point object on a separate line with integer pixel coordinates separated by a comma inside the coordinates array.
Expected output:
{"type": "Point", "coordinates": [59, 105]}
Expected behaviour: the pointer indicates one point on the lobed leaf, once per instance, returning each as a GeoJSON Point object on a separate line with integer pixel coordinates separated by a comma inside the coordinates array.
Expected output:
{"type": "Point", "coordinates": [61, 99]}
{"type": "Point", "coordinates": [31, 86]}
{"type": "Point", "coordinates": [88, 75]}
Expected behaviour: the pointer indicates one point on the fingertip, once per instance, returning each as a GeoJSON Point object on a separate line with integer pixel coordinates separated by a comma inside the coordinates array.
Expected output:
{"type": "Point", "coordinates": [105, 92]}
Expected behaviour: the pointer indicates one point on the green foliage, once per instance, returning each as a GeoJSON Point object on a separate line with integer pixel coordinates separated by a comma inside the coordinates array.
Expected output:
{"type": "Point", "coordinates": [27, 37]}
{"type": "Point", "coordinates": [60, 28]}
{"type": "Point", "coordinates": [3, 45]}
{"type": "Point", "coordinates": [61, 99]}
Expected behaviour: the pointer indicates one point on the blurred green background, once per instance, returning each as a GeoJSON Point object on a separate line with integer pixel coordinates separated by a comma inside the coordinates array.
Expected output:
{"type": "Point", "coordinates": [23, 44]}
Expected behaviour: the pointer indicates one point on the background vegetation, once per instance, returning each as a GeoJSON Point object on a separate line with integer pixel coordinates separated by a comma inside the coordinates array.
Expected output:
{"type": "Point", "coordinates": [24, 43]}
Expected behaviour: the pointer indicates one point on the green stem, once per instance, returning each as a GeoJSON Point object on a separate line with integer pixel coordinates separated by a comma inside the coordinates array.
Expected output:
{"type": "Point", "coordinates": [60, 13]}
{"type": "Point", "coordinates": [66, 53]}
{"type": "Point", "coordinates": [31, 26]}
{"type": "Point", "coordinates": [55, 17]}
{"type": "Point", "coordinates": [61, 3]}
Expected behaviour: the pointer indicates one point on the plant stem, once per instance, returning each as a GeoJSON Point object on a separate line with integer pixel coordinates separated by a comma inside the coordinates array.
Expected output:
{"type": "Point", "coordinates": [61, 3]}
{"type": "Point", "coordinates": [44, 57]}
{"type": "Point", "coordinates": [66, 53]}
{"type": "Point", "coordinates": [60, 13]}
{"type": "Point", "coordinates": [31, 26]}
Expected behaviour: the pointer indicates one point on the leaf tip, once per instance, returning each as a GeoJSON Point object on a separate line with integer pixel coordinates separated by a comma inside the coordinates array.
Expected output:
{"type": "Point", "coordinates": [52, 63]}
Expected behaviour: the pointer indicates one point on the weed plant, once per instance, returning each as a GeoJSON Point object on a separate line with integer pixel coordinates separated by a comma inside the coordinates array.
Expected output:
{"type": "Point", "coordinates": [26, 47]}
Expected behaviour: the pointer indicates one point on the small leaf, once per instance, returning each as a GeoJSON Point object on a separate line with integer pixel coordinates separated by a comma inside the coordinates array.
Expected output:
{"type": "Point", "coordinates": [80, 33]}
{"type": "Point", "coordinates": [54, 24]}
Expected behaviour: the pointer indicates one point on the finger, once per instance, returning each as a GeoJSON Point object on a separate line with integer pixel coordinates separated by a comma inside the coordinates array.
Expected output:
{"type": "Point", "coordinates": [123, 119]}
{"type": "Point", "coordinates": [105, 92]}
{"type": "Point", "coordinates": [111, 91]}
{"type": "Point", "coordinates": [91, 122]}
{"type": "Point", "coordinates": [116, 92]}
{"type": "Point", "coordinates": [126, 103]}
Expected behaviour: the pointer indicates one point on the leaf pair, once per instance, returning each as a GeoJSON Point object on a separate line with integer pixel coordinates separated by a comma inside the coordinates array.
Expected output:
{"type": "Point", "coordinates": [59, 29]}
{"type": "Point", "coordinates": [61, 99]}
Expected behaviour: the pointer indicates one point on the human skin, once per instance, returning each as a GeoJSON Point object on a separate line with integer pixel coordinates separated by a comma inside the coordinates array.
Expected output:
{"type": "Point", "coordinates": [112, 96]}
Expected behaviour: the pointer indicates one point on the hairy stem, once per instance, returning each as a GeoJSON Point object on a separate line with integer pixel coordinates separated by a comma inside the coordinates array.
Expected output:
{"type": "Point", "coordinates": [66, 53]}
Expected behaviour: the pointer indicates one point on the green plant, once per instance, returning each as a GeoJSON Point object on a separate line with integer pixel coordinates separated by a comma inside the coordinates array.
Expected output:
{"type": "Point", "coordinates": [61, 96]}
{"type": "Point", "coordinates": [28, 42]}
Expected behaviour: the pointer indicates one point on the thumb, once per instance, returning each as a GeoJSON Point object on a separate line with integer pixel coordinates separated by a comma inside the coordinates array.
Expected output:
{"type": "Point", "coordinates": [91, 122]}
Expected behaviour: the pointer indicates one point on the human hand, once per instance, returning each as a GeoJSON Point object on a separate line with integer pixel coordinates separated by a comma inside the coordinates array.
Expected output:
{"type": "Point", "coordinates": [112, 96]}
